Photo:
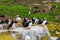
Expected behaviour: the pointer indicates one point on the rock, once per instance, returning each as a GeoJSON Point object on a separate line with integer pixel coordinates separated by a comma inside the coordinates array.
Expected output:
{"type": "Point", "coordinates": [58, 17]}
{"type": "Point", "coordinates": [58, 38]}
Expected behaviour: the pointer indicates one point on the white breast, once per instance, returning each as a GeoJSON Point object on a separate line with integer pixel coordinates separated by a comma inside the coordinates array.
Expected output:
{"type": "Point", "coordinates": [43, 23]}
{"type": "Point", "coordinates": [30, 24]}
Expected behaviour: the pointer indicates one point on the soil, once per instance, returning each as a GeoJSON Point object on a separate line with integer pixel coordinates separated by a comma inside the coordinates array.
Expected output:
{"type": "Point", "coordinates": [4, 17]}
{"type": "Point", "coordinates": [58, 16]}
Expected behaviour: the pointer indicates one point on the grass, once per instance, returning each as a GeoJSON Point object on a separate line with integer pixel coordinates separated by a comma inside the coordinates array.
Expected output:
{"type": "Point", "coordinates": [10, 8]}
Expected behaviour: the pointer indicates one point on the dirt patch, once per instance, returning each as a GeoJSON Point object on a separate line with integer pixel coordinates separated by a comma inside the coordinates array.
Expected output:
{"type": "Point", "coordinates": [4, 17]}
{"type": "Point", "coordinates": [58, 17]}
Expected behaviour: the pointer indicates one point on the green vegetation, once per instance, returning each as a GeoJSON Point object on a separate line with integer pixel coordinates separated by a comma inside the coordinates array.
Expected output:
{"type": "Point", "coordinates": [10, 8]}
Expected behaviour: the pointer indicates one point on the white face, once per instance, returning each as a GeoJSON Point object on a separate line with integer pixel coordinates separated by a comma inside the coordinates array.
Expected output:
{"type": "Point", "coordinates": [34, 18]}
{"type": "Point", "coordinates": [26, 18]}
{"type": "Point", "coordinates": [9, 19]}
